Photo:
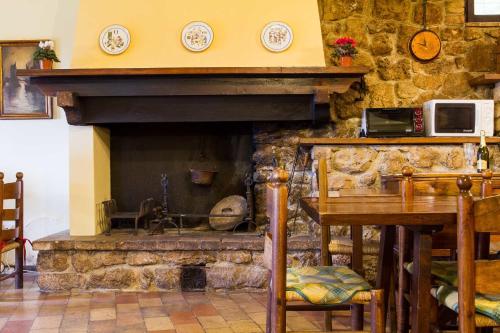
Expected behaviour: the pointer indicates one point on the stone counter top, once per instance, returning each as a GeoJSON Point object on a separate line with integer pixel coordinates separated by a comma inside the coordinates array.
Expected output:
{"type": "Point", "coordinates": [187, 241]}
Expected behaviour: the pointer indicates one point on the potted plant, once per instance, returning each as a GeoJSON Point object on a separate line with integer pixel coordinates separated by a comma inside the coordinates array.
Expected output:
{"type": "Point", "coordinates": [45, 54]}
{"type": "Point", "coordinates": [345, 49]}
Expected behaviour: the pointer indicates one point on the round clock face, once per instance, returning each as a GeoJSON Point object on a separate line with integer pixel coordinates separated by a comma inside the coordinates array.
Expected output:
{"type": "Point", "coordinates": [425, 45]}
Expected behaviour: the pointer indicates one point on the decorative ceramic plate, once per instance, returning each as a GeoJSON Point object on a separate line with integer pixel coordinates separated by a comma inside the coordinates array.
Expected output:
{"type": "Point", "coordinates": [114, 39]}
{"type": "Point", "coordinates": [277, 36]}
{"type": "Point", "coordinates": [197, 36]}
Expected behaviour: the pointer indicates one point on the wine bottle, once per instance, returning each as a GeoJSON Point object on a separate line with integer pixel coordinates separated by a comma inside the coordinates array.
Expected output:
{"type": "Point", "coordinates": [483, 155]}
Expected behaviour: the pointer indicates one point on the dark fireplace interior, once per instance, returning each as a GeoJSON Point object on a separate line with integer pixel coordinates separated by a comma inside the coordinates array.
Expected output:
{"type": "Point", "coordinates": [141, 153]}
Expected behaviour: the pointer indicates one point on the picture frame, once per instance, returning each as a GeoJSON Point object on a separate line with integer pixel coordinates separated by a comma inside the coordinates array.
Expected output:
{"type": "Point", "coordinates": [18, 99]}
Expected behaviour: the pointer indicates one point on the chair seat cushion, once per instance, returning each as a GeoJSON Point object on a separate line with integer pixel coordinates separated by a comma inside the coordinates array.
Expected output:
{"type": "Point", "coordinates": [444, 271]}
{"type": "Point", "coordinates": [487, 305]}
{"type": "Point", "coordinates": [324, 284]}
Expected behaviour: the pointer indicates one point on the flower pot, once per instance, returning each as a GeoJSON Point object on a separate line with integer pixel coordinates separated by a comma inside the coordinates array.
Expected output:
{"type": "Point", "coordinates": [46, 64]}
{"type": "Point", "coordinates": [346, 61]}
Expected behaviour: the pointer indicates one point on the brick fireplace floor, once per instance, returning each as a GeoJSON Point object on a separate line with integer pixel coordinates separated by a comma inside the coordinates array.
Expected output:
{"type": "Point", "coordinates": [29, 310]}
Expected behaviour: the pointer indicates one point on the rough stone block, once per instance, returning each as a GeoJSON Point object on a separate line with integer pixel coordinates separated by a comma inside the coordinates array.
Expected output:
{"type": "Point", "coordinates": [84, 261]}
{"type": "Point", "coordinates": [60, 281]}
{"type": "Point", "coordinates": [227, 275]}
{"type": "Point", "coordinates": [237, 257]}
{"type": "Point", "coordinates": [112, 278]}
{"type": "Point", "coordinates": [141, 258]}
{"type": "Point", "coordinates": [52, 261]}
{"type": "Point", "coordinates": [188, 257]}
{"type": "Point", "coordinates": [167, 278]}
{"type": "Point", "coordinates": [353, 160]}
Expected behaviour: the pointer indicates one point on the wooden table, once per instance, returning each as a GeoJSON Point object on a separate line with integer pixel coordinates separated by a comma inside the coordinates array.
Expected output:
{"type": "Point", "coordinates": [423, 215]}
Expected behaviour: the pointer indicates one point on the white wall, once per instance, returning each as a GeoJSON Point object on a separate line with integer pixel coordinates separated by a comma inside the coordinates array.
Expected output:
{"type": "Point", "coordinates": [39, 148]}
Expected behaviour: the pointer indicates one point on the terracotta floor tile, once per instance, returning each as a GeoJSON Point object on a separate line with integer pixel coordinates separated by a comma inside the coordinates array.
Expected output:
{"type": "Point", "coordinates": [129, 319]}
{"type": "Point", "coordinates": [80, 322]}
{"type": "Point", "coordinates": [3, 321]}
{"type": "Point", "coordinates": [24, 314]}
{"type": "Point", "coordinates": [204, 310]}
{"type": "Point", "coordinates": [244, 326]}
{"type": "Point", "coordinates": [102, 326]}
{"type": "Point", "coordinates": [163, 331]}
{"type": "Point", "coordinates": [52, 310]}
{"type": "Point", "coordinates": [158, 323]}
{"type": "Point", "coordinates": [299, 323]}
{"type": "Point", "coordinates": [137, 328]}
{"type": "Point", "coordinates": [180, 306]}
{"type": "Point", "coordinates": [186, 317]}
{"type": "Point", "coordinates": [258, 317]}
{"type": "Point", "coordinates": [252, 307]}
{"type": "Point", "coordinates": [154, 311]}
{"type": "Point", "coordinates": [18, 326]}
{"type": "Point", "coordinates": [220, 330]}
{"type": "Point", "coordinates": [126, 298]}
{"type": "Point", "coordinates": [212, 322]}
{"type": "Point", "coordinates": [149, 294]}
{"type": "Point", "coordinates": [189, 328]}
{"type": "Point", "coordinates": [102, 314]}
{"type": "Point", "coordinates": [145, 302]}
{"type": "Point", "coordinates": [171, 297]}
{"type": "Point", "coordinates": [46, 330]}
{"type": "Point", "coordinates": [128, 307]}
{"type": "Point", "coordinates": [232, 314]}
{"type": "Point", "coordinates": [47, 322]}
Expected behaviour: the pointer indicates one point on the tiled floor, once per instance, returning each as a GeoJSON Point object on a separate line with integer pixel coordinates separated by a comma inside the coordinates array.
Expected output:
{"type": "Point", "coordinates": [28, 310]}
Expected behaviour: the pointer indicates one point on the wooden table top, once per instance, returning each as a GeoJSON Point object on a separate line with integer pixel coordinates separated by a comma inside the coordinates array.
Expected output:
{"type": "Point", "coordinates": [382, 210]}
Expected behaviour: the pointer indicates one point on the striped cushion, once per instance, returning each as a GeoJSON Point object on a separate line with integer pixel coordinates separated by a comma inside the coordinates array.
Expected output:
{"type": "Point", "coordinates": [445, 271]}
{"type": "Point", "coordinates": [323, 284]}
{"type": "Point", "coordinates": [487, 305]}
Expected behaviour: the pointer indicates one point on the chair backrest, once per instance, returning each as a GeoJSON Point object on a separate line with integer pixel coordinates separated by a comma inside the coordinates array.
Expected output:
{"type": "Point", "coordinates": [480, 215]}
{"type": "Point", "coordinates": [277, 212]}
{"type": "Point", "coordinates": [11, 191]}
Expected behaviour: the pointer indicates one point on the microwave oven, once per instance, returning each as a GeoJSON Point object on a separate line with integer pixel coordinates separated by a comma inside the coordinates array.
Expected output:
{"type": "Point", "coordinates": [458, 117]}
{"type": "Point", "coordinates": [392, 122]}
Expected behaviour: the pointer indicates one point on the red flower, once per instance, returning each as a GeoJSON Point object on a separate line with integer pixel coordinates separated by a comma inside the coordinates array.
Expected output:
{"type": "Point", "coordinates": [345, 40]}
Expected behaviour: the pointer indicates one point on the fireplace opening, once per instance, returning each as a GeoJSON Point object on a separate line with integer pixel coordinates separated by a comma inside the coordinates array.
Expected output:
{"type": "Point", "coordinates": [196, 172]}
{"type": "Point", "coordinates": [193, 278]}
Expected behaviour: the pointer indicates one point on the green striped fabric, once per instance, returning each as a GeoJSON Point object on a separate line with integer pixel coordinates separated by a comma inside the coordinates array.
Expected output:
{"type": "Point", "coordinates": [487, 305]}
{"type": "Point", "coordinates": [324, 284]}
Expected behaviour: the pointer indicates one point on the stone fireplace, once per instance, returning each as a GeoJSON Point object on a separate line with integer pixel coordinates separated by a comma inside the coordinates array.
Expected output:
{"type": "Point", "coordinates": [132, 126]}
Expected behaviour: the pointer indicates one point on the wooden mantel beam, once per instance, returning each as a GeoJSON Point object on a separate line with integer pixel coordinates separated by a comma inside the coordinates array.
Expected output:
{"type": "Point", "coordinates": [222, 94]}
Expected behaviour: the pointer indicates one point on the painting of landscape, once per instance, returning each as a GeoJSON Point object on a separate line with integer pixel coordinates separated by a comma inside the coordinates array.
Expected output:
{"type": "Point", "coordinates": [20, 100]}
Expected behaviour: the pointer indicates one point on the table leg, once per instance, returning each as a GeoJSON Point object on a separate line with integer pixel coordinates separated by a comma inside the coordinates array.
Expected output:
{"type": "Point", "coordinates": [326, 260]}
{"type": "Point", "coordinates": [385, 262]}
{"type": "Point", "coordinates": [421, 282]}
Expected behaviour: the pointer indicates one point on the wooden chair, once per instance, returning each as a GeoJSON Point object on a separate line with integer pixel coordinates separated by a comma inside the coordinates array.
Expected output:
{"type": "Point", "coordinates": [12, 238]}
{"type": "Point", "coordinates": [444, 246]}
{"type": "Point", "coordinates": [481, 277]}
{"type": "Point", "coordinates": [283, 295]}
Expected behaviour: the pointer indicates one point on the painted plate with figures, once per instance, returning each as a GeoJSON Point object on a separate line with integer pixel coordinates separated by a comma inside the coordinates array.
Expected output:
{"type": "Point", "coordinates": [277, 36]}
{"type": "Point", "coordinates": [114, 39]}
{"type": "Point", "coordinates": [197, 36]}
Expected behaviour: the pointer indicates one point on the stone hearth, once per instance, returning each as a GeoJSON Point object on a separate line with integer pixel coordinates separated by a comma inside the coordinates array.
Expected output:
{"type": "Point", "coordinates": [142, 262]}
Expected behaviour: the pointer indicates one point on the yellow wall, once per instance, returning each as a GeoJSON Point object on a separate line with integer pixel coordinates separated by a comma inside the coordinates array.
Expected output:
{"type": "Point", "coordinates": [155, 27]}
{"type": "Point", "coordinates": [89, 177]}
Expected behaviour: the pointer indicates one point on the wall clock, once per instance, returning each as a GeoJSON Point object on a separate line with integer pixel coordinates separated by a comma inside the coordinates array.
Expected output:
{"type": "Point", "coordinates": [425, 45]}
{"type": "Point", "coordinates": [114, 39]}
{"type": "Point", "coordinates": [197, 36]}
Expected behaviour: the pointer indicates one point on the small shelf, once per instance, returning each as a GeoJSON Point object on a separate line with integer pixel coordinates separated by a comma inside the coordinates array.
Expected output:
{"type": "Point", "coordinates": [395, 141]}
{"type": "Point", "coordinates": [485, 79]}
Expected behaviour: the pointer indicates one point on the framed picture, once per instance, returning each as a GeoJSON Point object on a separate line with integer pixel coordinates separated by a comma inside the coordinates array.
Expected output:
{"type": "Point", "coordinates": [18, 99]}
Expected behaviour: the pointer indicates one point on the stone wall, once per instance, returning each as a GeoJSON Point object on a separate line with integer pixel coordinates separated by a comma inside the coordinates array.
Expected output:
{"type": "Point", "coordinates": [142, 263]}
{"type": "Point", "coordinates": [383, 29]}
